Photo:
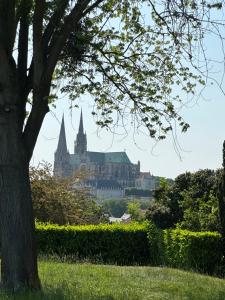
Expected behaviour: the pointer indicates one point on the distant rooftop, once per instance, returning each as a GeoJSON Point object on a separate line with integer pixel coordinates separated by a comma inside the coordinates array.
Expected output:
{"type": "Point", "coordinates": [102, 158]}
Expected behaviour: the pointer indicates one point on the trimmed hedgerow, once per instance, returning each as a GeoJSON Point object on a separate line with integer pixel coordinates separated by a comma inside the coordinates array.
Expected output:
{"type": "Point", "coordinates": [121, 244]}
{"type": "Point", "coordinates": [200, 251]}
{"type": "Point", "coordinates": [133, 244]}
{"type": "Point", "coordinates": [155, 241]}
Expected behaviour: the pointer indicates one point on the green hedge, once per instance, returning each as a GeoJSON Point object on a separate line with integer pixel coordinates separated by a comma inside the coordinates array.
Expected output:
{"type": "Point", "coordinates": [121, 244]}
{"type": "Point", "coordinates": [133, 244]}
{"type": "Point", "coordinates": [200, 251]}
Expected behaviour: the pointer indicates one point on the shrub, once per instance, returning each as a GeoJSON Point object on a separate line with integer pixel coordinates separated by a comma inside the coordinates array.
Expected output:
{"type": "Point", "coordinates": [155, 240]}
{"type": "Point", "coordinates": [160, 215]}
{"type": "Point", "coordinates": [54, 201]}
{"type": "Point", "coordinates": [117, 243]}
{"type": "Point", "coordinates": [134, 209]}
{"type": "Point", "coordinates": [200, 251]}
{"type": "Point", "coordinates": [133, 244]}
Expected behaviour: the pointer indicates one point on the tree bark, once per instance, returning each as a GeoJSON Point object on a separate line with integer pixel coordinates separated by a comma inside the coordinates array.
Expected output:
{"type": "Point", "coordinates": [18, 250]}
{"type": "Point", "coordinates": [19, 267]}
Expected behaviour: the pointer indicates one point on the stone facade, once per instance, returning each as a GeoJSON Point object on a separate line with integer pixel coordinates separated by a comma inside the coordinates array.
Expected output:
{"type": "Point", "coordinates": [105, 189]}
{"type": "Point", "coordinates": [110, 167]}
{"type": "Point", "coordinates": [145, 181]}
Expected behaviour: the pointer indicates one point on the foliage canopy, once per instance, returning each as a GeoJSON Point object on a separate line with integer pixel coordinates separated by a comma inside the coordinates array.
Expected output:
{"type": "Point", "coordinates": [191, 202]}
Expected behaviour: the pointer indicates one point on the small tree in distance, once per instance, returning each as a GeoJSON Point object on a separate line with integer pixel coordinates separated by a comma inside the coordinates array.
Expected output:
{"type": "Point", "coordinates": [134, 209]}
{"type": "Point", "coordinates": [55, 200]}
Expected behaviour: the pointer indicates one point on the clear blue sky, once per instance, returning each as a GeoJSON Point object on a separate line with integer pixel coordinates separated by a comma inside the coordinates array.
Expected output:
{"type": "Point", "coordinates": [201, 145]}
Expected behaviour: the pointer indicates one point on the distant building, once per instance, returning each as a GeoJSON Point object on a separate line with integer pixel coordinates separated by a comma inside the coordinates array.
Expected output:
{"type": "Point", "coordinates": [105, 189]}
{"type": "Point", "coordinates": [108, 173]}
{"type": "Point", "coordinates": [145, 181]}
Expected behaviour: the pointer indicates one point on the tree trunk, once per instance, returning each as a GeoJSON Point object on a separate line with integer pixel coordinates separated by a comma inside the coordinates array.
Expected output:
{"type": "Point", "coordinates": [18, 250]}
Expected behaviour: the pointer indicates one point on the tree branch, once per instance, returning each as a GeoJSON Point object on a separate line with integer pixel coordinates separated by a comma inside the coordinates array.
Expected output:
{"type": "Point", "coordinates": [37, 41]}
{"type": "Point", "coordinates": [59, 38]}
{"type": "Point", "coordinates": [23, 57]}
{"type": "Point", "coordinates": [34, 123]}
{"type": "Point", "coordinates": [40, 91]}
{"type": "Point", "coordinates": [42, 73]}
{"type": "Point", "coordinates": [93, 6]}
{"type": "Point", "coordinates": [7, 24]}
{"type": "Point", "coordinates": [53, 23]}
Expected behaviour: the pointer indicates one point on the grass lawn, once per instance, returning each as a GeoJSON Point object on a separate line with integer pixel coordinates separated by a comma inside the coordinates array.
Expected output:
{"type": "Point", "coordinates": [100, 282]}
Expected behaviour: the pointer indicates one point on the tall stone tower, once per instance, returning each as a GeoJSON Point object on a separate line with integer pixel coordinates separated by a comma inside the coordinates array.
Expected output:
{"type": "Point", "coordinates": [80, 146]}
{"type": "Point", "coordinates": [62, 156]}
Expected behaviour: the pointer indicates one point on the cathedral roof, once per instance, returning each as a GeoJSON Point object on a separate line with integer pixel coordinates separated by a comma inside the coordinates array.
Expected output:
{"type": "Point", "coordinates": [97, 157]}
{"type": "Point", "coordinates": [117, 157]}
{"type": "Point", "coordinates": [110, 157]}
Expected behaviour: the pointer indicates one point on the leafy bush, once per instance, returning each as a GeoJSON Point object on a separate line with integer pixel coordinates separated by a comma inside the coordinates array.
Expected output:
{"type": "Point", "coordinates": [54, 201]}
{"type": "Point", "coordinates": [159, 214]}
{"type": "Point", "coordinates": [121, 244]}
{"type": "Point", "coordinates": [164, 211]}
{"type": "Point", "coordinates": [191, 201]}
{"type": "Point", "coordinates": [134, 209]}
{"type": "Point", "coordinates": [200, 251]}
{"type": "Point", "coordinates": [133, 244]}
{"type": "Point", "coordinates": [155, 240]}
{"type": "Point", "coordinates": [199, 214]}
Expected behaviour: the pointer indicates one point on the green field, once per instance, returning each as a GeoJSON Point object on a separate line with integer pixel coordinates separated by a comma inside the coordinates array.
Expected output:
{"type": "Point", "coordinates": [101, 282]}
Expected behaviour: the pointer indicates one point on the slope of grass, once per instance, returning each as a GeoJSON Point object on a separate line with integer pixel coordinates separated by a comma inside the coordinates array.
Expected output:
{"type": "Point", "coordinates": [100, 282]}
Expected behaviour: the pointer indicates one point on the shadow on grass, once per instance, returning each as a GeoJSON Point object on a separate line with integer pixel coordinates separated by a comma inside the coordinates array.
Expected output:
{"type": "Point", "coordinates": [53, 294]}
{"type": "Point", "coordinates": [63, 294]}
{"type": "Point", "coordinates": [60, 295]}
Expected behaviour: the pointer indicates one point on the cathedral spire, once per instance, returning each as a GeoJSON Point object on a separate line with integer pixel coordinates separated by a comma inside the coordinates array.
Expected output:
{"type": "Point", "coordinates": [62, 166]}
{"type": "Point", "coordinates": [80, 146]}
{"type": "Point", "coordinates": [81, 126]}
{"type": "Point", "coordinates": [62, 146]}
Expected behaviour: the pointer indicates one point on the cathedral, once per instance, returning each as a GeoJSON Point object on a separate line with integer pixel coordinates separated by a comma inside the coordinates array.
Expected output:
{"type": "Point", "coordinates": [105, 170]}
